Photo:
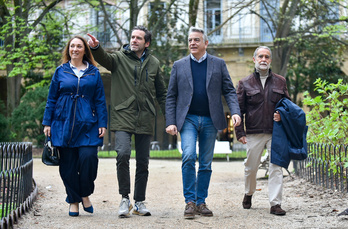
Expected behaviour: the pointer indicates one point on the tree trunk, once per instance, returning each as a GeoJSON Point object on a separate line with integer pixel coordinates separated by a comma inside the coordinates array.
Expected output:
{"type": "Point", "coordinates": [13, 92]}
{"type": "Point", "coordinates": [282, 46]}
{"type": "Point", "coordinates": [280, 57]}
{"type": "Point", "coordinates": [12, 42]}
{"type": "Point", "coordinates": [193, 9]}
{"type": "Point", "coordinates": [133, 14]}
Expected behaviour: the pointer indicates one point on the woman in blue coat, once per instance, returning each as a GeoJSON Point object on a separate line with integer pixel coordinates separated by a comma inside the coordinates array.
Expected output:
{"type": "Point", "coordinates": [76, 118]}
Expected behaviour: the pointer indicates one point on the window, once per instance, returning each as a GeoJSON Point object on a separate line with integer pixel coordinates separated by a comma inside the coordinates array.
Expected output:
{"type": "Point", "coordinates": [213, 15]}
{"type": "Point", "coordinates": [267, 29]}
{"type": "Point", "coordinates": [104, 34]}
{"type": "Point", "coordinates": [103, 27]}
{"type": "Point", "coordinates": [213, 18]}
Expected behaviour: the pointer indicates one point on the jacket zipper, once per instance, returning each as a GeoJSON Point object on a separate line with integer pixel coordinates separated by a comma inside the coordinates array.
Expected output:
{"type": "Point", "coordinates": [75, 98]}
{"type": "Point", "coordinates": [146, 74]}
{"type": "Point", "coordinates": [135, 75]}
{"type": "Point", "coordinates": [138, 93]}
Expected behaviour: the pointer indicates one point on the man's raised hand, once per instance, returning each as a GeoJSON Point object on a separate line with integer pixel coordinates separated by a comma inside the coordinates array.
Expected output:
{"type": "Point", "coordinates": [92, 42]}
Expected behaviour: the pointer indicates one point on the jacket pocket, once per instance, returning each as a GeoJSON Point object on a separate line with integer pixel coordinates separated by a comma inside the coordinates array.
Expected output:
{"type": "Point", "coordinates": [85, 111]}
{"type": "Point", "coordinates": [254, 96]}
{"type": "Point", "coordinates": [125, 104]}
{"type": "Point", "coordinates": [152, 107]}
{"type": "Point", "coordinates": [276, 95]}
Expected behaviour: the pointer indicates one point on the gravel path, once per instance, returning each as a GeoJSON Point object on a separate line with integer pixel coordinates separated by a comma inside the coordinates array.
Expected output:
{"type": "Point", "coordinates": [307, 206]}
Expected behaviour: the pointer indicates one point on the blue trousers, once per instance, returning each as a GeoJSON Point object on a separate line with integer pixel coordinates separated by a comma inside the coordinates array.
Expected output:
{"type": "Point", "coordinates": [78, 169]}
{"type": "Point", "coordinates": [196, 185]}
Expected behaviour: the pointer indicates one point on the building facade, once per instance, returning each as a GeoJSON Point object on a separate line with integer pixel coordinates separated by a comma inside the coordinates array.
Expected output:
{"type": "Point", "coordinates": [234, 30]}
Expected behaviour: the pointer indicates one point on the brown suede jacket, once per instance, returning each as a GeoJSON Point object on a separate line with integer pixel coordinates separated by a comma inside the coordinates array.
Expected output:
{"type": "Point", "coordinates": [257, 104]}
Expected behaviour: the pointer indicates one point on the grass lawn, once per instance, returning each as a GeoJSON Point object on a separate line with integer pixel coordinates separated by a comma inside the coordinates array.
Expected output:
{"type": "Point", "coordinates": [174, 154]}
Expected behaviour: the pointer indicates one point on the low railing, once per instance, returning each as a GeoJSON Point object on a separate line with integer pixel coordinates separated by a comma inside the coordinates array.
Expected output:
{"type": "Point", "coordinates": [325, 166]}
{"type": "Point", "coordinates": [17, 189]}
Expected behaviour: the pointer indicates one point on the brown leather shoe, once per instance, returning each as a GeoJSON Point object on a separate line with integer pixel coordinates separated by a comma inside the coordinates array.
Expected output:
{"type": "Point", "coordinates": [277, 210]}
{"type": "Point", "coordinates": [203, 210]}
{"type": "Point", "coordinates": [190, 210]}
{"type": "Point", "coordinates": [247, 201]}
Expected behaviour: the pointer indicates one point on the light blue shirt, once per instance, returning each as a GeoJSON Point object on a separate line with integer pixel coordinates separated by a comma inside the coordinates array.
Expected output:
{"type": "Point", "coordinates": [200, 60]}
{"type": "Point", "coordinates": [76, 71]}
{"type": "Point", "coordinates": [142, 58]}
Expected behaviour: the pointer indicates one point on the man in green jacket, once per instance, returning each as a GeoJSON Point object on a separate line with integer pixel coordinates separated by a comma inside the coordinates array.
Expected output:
{"type": "Point", "coordinates": [136, 83]}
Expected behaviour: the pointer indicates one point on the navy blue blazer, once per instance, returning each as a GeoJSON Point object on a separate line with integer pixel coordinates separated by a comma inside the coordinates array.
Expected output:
{"type": "Point", "coordinates": [289, 135]}
{"type": "Point", "coordinates": [180, 92]}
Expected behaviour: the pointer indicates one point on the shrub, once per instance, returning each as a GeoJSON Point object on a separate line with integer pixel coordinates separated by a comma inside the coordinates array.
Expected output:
{"type": "Point", "coordinates": [328, 115]}
{"type": "Point", "coordinates": [27, 117]}
{"type": "Point", "coordinates": [4, 131]}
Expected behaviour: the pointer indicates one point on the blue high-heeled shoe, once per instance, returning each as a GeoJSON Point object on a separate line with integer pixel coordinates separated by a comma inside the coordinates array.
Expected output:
{"type": "Point", "coordinates": [73, 214]}
{"type": "Point", "coordinates": [88, 209]}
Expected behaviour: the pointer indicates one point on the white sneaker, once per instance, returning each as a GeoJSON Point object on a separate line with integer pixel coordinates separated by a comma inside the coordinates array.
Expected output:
{"type": "Point", "coordinates": [125, 207]}
{"type": "Point", "coordinates": [140, 209]}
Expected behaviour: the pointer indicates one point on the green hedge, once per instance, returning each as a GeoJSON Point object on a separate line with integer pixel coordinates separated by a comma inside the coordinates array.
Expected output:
{"type": "Point", "coordinates": [173, 154]}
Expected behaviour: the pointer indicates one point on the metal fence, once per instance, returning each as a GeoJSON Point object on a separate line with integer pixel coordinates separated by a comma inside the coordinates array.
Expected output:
{"type": "Point", "coordinates": [17, 189]}
{"type": "Point", "coordinates": [325, 166]}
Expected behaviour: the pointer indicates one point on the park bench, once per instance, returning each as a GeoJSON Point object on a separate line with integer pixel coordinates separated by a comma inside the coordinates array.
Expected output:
{"type": "Point", "coordinates": [221, 147]}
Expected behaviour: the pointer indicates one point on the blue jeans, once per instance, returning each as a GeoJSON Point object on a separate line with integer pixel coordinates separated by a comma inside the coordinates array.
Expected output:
{"type": "Point", "coordinates": [201, 127]}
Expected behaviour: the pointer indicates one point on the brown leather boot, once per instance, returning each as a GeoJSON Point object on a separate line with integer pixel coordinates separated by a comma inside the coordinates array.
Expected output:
{"type": "Point", "coordinates": [247, 202]}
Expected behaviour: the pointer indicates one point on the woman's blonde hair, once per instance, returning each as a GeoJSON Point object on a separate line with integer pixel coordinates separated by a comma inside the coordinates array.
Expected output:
{"type": "Point", "coordinates": [86, 57]}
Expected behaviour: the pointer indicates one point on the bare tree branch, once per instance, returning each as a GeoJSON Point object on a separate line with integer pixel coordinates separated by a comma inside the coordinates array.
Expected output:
{"type": "Point", "coordinates": [113, 28]}
{"type": "Point", "coordinates": [45, 11]}
{"type": "Point", "coordinates": [154, 28]}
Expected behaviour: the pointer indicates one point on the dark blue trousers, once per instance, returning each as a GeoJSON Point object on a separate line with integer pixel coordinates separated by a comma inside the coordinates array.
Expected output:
{"type": "Point", "coordinates": [78, 169]}
{"type": "Point", "coordinates": [142, 155]}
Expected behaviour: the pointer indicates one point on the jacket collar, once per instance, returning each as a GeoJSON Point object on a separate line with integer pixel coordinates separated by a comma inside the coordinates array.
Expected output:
{"type": "Point", "coordinates": [125, 48]}
{"type": "Point", "coordinates": [201, 59]}
{"type": "Point", "coordinates": [67, 68]}
{"type": "Point", "coordinates": [256, 74]}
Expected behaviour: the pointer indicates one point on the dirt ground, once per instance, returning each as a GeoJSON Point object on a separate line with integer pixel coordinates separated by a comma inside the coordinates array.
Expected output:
{"type": "Point", "coordinates": [307, 206]}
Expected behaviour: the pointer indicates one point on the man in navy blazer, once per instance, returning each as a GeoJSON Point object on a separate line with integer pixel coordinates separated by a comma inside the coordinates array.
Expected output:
{"type": "Point", "coordinates": [194, 108]}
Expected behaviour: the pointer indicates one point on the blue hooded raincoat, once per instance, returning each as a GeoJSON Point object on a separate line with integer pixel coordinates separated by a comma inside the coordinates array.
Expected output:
{"type": "Point", "coordinates": [76, 108]}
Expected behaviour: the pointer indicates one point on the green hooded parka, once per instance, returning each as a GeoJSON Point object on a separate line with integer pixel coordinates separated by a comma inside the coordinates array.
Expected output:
{"type": "Point", "coordinates": [135, 85]}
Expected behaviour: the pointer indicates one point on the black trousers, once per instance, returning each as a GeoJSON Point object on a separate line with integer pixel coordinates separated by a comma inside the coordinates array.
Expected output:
{"type": "Point", "coordinates": [78, 169]}
{"type": "Point", "coordinates": [123, 149]}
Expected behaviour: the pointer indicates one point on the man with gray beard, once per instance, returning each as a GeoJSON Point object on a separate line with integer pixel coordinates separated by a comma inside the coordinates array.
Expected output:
{"type": "Point", "coordinates": [258, 95]}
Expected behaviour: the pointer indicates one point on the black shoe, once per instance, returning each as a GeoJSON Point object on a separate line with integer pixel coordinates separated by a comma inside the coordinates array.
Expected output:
{"type": "Point", "coordinates": [277, 210]}
{"type": "Point", "coordinates": [247, 201]}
